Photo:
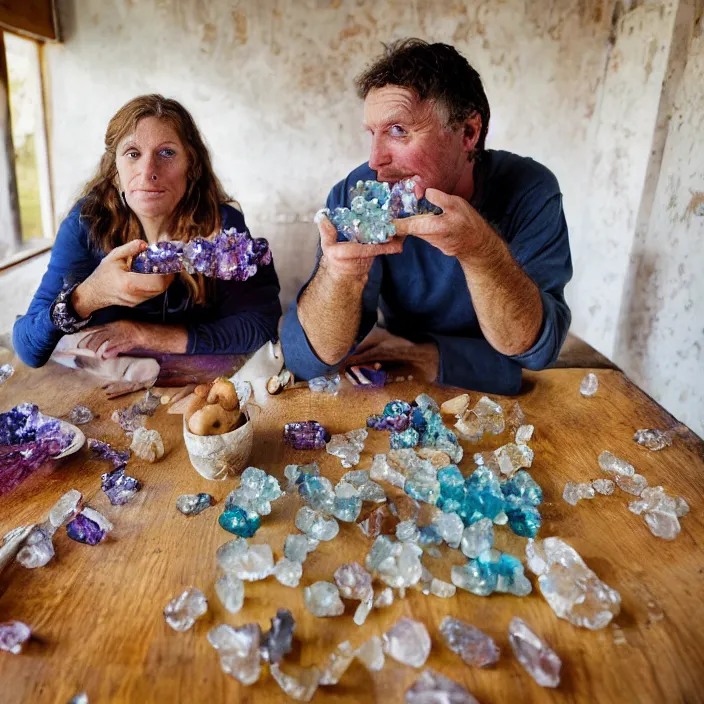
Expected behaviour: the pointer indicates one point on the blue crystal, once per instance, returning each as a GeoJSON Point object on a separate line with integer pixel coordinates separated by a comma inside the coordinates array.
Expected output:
{"type": "Point", "coordinates": [240, 522]}
{"type": "Point", "coordinates": [408, 438]}
{"type": "Point", "coordinates": [523, 519]}
{"type": "Point", "coordinates": [452, 487]}
{"type": "Point", "coordinates": [347, 509]}
{"type": "Point", "coordinates": [429, 535]}
{"type": "Point", "coordinates": [523, 486]}
{"type": "Point", "coordinates": [316, 491]}
{"type": "Point", "coordinates": [492, 571]}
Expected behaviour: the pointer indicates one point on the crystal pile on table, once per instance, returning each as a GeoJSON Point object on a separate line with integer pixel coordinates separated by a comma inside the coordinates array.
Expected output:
{"type": "Point", "coordinates": [6, 371]}
{"type": "Point", "coordinates": [408, 642]}
{"type": "Point", "coordinates": [147, 444]}
{"type": "Point", "coordinates": [373, 206]}
{"type": "Point", "coordinates": [475, 647]}
{"type": "Point", "coordinates": [119, 487]}
{"type": "Point", "coordinates": [306, 435]}
{"type": "Point", "coordinates": [660, 511]}
{"type": "Point", "coordinates": [81, 415]}
{"type": "Point", "coordinates": [28, 439]}
{"type": "Point", "coordinates": [230, 255]}
{"type": "Point", "coordinates": [135, 416]}
{"type": "Point", "coordinates": [89, 527]}
{"type": "Point", "coordinates": [433, 688]}
{"type": "Point", "coordinates": [193, 504]}
{"type": "Point", "coordinates": [653, 439]}
{"type": "Point", "coordinates": [347, 446]}
{"type": "Point", "coordinates": [183, 611]}
{"type": "Point", "coordinates": [589, 385]}
{"type": "Point", "coordinates": [571, 589]}
{"type": "Point", "coordinates": [492, 571]}
{"type": "Point", "coordinates": [13, 635]}
{"type": "Point", "coordinates": [325, 384]}
{"type": "Point", "coordinates": [537, 658]}
{"type": "Point", "coordinates": [244, 506]}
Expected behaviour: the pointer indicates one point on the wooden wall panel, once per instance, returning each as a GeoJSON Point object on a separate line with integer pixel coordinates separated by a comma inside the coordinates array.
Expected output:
{"type": "Point", "coordinates": [36, 18]}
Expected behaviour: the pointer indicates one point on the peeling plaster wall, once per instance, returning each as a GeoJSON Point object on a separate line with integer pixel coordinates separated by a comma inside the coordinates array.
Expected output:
{"type": "Point", "coordinates": [271, 86]}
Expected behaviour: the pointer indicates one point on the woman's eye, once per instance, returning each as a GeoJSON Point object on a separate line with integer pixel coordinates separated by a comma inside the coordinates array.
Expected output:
{"type": "Point", "coordinates": [168, 153]}
{"type": "Point", "coordinates": [132, 155]}
{"type": "Point", "coordinates": [398, 131]}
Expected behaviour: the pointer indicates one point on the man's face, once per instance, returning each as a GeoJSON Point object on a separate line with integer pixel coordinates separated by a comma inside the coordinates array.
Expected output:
{"type": "Point", "coordinates": [410, 138]}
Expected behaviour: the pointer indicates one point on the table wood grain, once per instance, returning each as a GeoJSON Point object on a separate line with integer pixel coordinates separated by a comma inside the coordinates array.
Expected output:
{"type": "Point", "coordinates": [96, 612]}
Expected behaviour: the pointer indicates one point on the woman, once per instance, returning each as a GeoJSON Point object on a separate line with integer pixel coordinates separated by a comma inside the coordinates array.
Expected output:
{"type": "Point", "coordinates": [155, 181]}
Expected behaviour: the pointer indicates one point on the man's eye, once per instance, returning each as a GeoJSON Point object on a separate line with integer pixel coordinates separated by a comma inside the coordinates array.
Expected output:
{"type": "Point", "coordinates": [398, 131]}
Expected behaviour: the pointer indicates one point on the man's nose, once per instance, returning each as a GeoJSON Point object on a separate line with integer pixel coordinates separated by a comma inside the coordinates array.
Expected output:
{"type": "Point", "coordinates": [379, 156]}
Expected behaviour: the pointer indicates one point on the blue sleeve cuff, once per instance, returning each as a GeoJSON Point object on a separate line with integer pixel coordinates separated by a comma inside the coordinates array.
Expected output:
{"type": "Point", "coordinates": [556, 323]}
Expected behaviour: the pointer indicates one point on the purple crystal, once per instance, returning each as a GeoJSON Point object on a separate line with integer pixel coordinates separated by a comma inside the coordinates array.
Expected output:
{"type": "Point", "coordinates": [306, 435]}
{"type": "Point", "coordinates": [105, 451]}
{"type": "Point", "coordinates": [27, 440]}
{"type": "Point", "coordinates": [159, 258]}
{"type": "Point", "coordinates": [277, 641]}
{"type": "Point", "coordinates": [230, 255]}
{"type": "Point", "coordinates": [120, 487]}
{"type": "Point", "coordinates": [13, 635]}
{"type": "Point", "coordinates": [135, 415]}
{"type": "Point", "coordinates": [396, 417]}
{"type": "Point", "coordinates": [83, 529]}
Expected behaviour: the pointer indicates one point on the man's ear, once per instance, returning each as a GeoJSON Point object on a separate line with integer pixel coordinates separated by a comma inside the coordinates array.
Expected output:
{"type": "Point", "coordinates": [471, 130]}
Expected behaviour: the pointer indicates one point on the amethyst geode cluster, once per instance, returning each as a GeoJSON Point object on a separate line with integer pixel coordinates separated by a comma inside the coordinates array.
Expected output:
{"type": "Point", "coordinates": [230, 255]}
{"type": "Point", "coordinates": [27, 440]}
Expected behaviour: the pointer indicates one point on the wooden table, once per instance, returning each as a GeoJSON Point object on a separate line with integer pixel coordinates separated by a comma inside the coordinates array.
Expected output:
{"type": "Point", "coordinates": [97, 611]}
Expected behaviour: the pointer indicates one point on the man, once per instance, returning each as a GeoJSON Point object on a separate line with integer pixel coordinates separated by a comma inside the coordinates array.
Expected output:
{"type": "Point", "coordinates": [471, 296]}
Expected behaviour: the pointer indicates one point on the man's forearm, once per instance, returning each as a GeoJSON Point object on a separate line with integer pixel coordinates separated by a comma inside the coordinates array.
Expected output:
{"type": "Point", "coordinates": [507, 302]}
{"type": "Point", "coordinates": [330, 311]}
{"type": "Point", "coordinates": [164, 338]}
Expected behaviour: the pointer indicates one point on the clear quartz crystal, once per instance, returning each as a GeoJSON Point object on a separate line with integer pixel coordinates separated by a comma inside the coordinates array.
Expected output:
{"type": "Point", "coordinates": [572, 590]}
{"type": "Point", "coordinates": [475, 647]}
{"type": "Point", "coordinates": [147, 444]}
{"type": "Point", "coordinates": [589, 385]}
{"type": "Point", "coordinates": [181, 613]}
{"type": "Point", "coordinates": [65, 508]}
{"type": "Point", "coordinates": [371, 654]}
{"type": "Point", "coordinates": [301, 686]}
{"type": "Point", "coordinates": [13, 635]}
{"type": "Point", "coordinates": [456, 405]}
{"type": "Point", "coordinates": [653, 439]}
{"type": "Point", "coordinates": [193, 504]}
{"type": "Point", "coordinates": [228, 554]}
{"type": "Point", "coordinates": [574, 493]}
{"type": "Point", "coordinates": [323, 599]}
{"type": "Point", "coordinates": [615, 465]}
{"type": "Point", "coordinates": [604, 486]}
{"type": "Point", "coordinates": [408, 642]}
{"type": "Point", "coordinates": [631, 485]}
{"type": "Point", "coordinates": [288, 572]}
{"type": "Point", "coordinates": [384, 598]}
{"type": "Point", "coordinates": [38, 547]}
{"type": "Point", "coordinates": [230, 591]}
{"type": "Point", "coordinates": [382, 471]}
{"type": "Point", "coordinates": [444, 590]}
{"type": "Point", "coordinates": [347, 446]}
{"type": "Point", "coordinates": [434, 688]}
{"type": "Point", "coordinates": [362, 611]}
{"type": "Point", "coordinates": [256, 492]}
{"type": "Point", "coordinates": [537, 658]}
{"type": "Point", "coordinates": [477, 538]}
{"type": "Point", "coordinates": [524, 434]}
{"type": "Point", "coordinates": [255, 564]}
{"type": "Point", "coordinates": [315, 525]}
{"type": "Point", "coordinates": [338, 663]}
{"type": "Point", "coordinates": [662, 512]}
{"type": "Point", "coordinates": [407, 532]}
{"type": "Point", "coordinates": [80, 415]}
{"type": "Point", "coordinates": [239, 651]}
{"type": "Point", "coordinates": [297, 547]}
{"type": "Point", "coordinates": [450, 527]}
{"type": "Point", "coordinates": [354, 582]}
{"type": "Point", "coordinates": [6, 371]}
{"type": "Point", "coordinates": [371, 491]}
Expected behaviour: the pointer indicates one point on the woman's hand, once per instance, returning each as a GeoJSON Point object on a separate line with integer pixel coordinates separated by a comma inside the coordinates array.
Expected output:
{"type": "Point", "coordinates": [113, 284]}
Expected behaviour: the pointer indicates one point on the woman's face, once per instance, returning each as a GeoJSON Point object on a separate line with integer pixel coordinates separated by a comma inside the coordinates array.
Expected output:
{"type": "Point", "coordinates": [152, 166]}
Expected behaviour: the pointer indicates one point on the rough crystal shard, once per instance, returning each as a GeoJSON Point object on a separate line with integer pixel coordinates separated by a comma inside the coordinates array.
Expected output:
{"type": "Point", "coordinates": [230, 591]}
{"type": "Point", "coordinates": [183, 611]}
{"type": "Point", "coordinates": [537, 658]}
{"type": "Point", "coordinates": [13, 635]}
{"type": "Point", "coordinates": [347, 503]}
{"type": "Point", "coordinates": [405, 508]}
{"type": "Point", "coordinates": [589, 385]}
{"type": "Point", "coordinates": [371, 654]}
{"type": "Point", "coordinates": [147, 444]}
{"type": "Point", "coordinates": [407, 532]}
{"type": "Point", "coordinates": [253, 565]}
{"type": "Point", "coordinates": [353, 581]}
{"type": "Point", "coordinates": [524, 433]}
{"type": "Point", "coordinates": [305, 435]}
{"type": "Point", "coordinates": [512, 457]}
{"type": "Point", "coordinates": [338, 663]}
{"type": "Point", "coordinates": [315, 525]}
{"type": "Point", "coordinates": [288, 572]}
{"type": "Point", "coordinates": [278, 640]}
{"type": "Point", "coordinates": [404, 569]}
{"type": "Point", "coordinates": [38, 547]}
{"type": "Point", "coordinates": [297, 547]}
{"type": "Point", "coordinates": [492, 571]}
{"type": "Point", "coordinates": [80, 415]}
{"type": "Point", "coordinates": [89, 527]}
{"type": "Point", "coordinates": [574, 493]}
{"type": "Point", "coordinates": [104, 451]}
{"type": "Point", "coordinates": [475, 647]}
{"type": "Point", "coordinates": [6, 371]}
{"type": "Point", "coordinates": [455, 406]}
{"type": "Point", "coordinates": [300, 687]}
{"type": "Point", "coordinates": [371, 491]}
{"type": "Point", "coordinates": [408, 642]}
{"type": "Point", "coordinates": [135, 416]}
{"type": "Point", "coordinates": [193, 504]}
{"type": "Point", "coordinates": [228, 554]}
{"type": "Point", "coordinates": [437, 458]}
{"type": "Point", "coordinates": [615, 465]}
{"type": "Point", "coordinates": [571, 589]}
{"type": "Point", "coordinates": [238, 649]}
{"type": "Point", "coordinates": [382, 471]}
{"type": "Point", "coordinates": [450, 527]}
{"type": "Point", "coordinates": [661, 512]}
{"type": "Point", "coordinates": [325, 384]}
{"type": "Point", "coordinates": [347, 446]}
{"type": "Point", "coordinates": [256, 492]}
{"type": "Point", "coordinates": [384, 599]}
{"type": "Point", "coordinates": [433, 688]}
{"type": "Point", "coordinates": [604, 486]}
{"type": "Point", "coordinates": [119, 487]}
{"type": "Point", "coordinates": [65, 508]}
{"type": "Point", "coordinates": [239, 521]}
{"type": "Point", "coordinates": [362, 611]}
{"type": "Point", "coordinates": [653, 439]}
{"type": "Point", "coordinates": [378, 521]}
{"type": "Point", "coordinates": [633, 484]}
{"type": "Point", "coordinates": [323, 599]}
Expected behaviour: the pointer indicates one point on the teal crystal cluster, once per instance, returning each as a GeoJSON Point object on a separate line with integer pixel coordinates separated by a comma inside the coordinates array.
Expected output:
{"type": "Point", "coordinates": [492, 571]}
{"type": "Point", "coordinates": [373, 207]}
{"type": "Point", "coordinates": [245, 506]}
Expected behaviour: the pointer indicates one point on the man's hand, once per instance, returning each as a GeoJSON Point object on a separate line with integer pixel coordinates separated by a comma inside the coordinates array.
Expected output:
{"type": "Point", "coordinates": [458, 232]}
{"type": "Point", "coordinates": [123, 336]}
{"type": "Point", "coordinates": [381, 346]}
{"type": "Point", "coordinates": [350, 260]}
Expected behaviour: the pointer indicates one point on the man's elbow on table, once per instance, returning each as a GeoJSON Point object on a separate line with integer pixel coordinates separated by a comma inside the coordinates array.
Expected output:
{"type": "Point", "coordinates": [27, 352]}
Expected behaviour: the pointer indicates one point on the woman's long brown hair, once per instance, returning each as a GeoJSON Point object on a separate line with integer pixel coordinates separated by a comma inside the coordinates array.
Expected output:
{"type": "Point", "coordinates": [111, 223]}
